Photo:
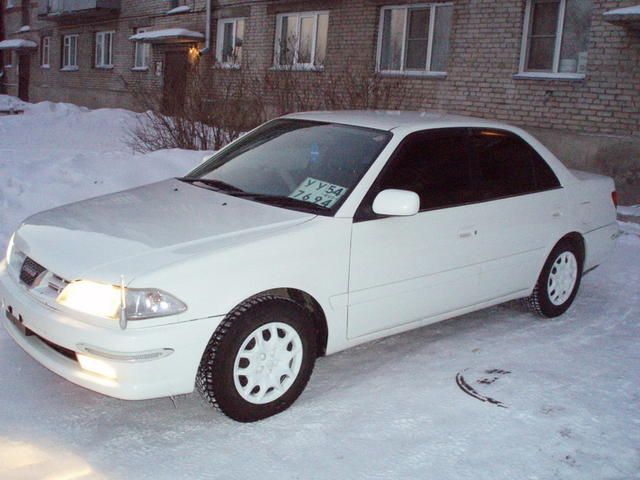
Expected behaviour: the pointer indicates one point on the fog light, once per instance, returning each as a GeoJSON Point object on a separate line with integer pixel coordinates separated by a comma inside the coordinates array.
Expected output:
{"type": "Point", "coordinates": [94, 365]}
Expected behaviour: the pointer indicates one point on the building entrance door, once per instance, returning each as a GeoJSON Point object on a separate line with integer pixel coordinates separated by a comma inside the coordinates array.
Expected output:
{"type": "Point", "coordinates": [175, 81]}
{"type": "Point", "coordinates": [24, 64]}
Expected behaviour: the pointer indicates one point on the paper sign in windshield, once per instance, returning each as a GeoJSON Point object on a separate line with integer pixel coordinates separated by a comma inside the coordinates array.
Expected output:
{"type": "Point", "coordinates": [319, 192]}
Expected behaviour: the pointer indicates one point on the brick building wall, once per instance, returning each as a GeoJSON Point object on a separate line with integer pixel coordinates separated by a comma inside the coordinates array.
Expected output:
{"type": "Point", "coordinates": [592, 123]}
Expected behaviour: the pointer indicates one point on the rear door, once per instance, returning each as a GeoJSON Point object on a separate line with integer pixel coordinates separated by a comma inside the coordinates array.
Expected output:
{"type": "Point", "coordinates": [521, 212]}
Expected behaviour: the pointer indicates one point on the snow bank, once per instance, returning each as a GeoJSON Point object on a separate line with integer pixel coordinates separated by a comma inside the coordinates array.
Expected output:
{"type": "Point", "coordinates": [8, 102]}
{"type": "Point", "coordinates": [629, 211]}
{"type": "Point", "coordinates": [57, 153]}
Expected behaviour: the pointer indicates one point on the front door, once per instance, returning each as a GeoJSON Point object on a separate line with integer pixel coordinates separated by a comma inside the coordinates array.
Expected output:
{"type": "Point", "coordinates": [24, 64]}
{"type": "Point", "coordinates": [405, 269]}
{"type": "Point", "coordinates": [175, 81]}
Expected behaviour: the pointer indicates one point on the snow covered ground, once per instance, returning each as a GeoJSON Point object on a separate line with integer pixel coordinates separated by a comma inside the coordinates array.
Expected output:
{"type": "Point", "coordinates": [389, 409]}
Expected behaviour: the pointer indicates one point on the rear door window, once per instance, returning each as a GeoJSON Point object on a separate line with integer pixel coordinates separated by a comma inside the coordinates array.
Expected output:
{"type": "Point", "coordinates": [508, 166]}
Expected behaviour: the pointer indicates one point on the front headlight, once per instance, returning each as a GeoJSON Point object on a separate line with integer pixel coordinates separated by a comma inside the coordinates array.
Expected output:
{"type": "Point", "coordinates": [105, 301]}
{"type": "Point", "coordinates": [150, 302]}
{"type": "Point", "coordinates": [14, 256]}
{"type": "Point", "coordinates": [10, 249]}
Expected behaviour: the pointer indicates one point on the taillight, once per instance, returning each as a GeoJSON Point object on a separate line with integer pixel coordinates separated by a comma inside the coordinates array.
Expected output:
{"type": "Point", "coordinates": [614, 198]}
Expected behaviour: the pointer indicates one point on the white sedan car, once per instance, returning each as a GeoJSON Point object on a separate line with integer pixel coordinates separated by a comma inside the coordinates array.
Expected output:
{"type": "Point", "coordinates": [309, 235]}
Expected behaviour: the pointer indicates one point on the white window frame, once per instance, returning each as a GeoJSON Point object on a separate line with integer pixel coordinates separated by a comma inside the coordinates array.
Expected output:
{"type": "Point", "coordinates": [45, 54]}
{"type": "Point", "coordinates": [67, 65]}
{"type": "Point", "coordinates": [557, 48]}
{"type": "Point", "coordinates": [300, 15]}
{"type": "Point", "coordinates": [432, 22]}
{"type": "Point", "coordinates": [10, 4]}
{"type": "Point", "coordinates": [54, 6]}
{"type": "Point", "coordinates": [141, 66]}
{"type": "Point", "coordinates": [100, 40]}
{"type": "Point", "coordinates": [220, 40]}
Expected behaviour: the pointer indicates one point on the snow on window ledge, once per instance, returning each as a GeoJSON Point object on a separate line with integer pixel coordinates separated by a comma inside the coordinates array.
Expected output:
{"type": "Point", "coordinates": [549, 76]}
{"type": "Point", "coordinates": [177, 10]}
{"type": "Point", "coordinates": [24, 28]}
{"type": "Point", "coordinates": [45, 67]}
{"type": "Point", "coordinates": [227, 66]}
{"type": "Point", "coordinates": [412, 74]}
{"type": "Point", "coordinates": [69, 69]}
{"type": "Point", "coordinates": [140, 69]}
{"type": "Point", "coordinates": [303, 67]}
{"type": "Point", "coordinates": [104, 67]}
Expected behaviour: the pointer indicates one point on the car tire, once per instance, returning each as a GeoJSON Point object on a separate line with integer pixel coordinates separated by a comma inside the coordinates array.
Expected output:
{"type": "Point", "coordinates": [558, 282]}
{"type": "Point", "coordinates": [259, 360]}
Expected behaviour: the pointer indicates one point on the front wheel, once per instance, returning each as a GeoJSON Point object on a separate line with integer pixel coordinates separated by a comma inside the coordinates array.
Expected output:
{"type": "Point", "coordinates": [559, 281]}
{"type": "Point", "coordinates": [259, 360]}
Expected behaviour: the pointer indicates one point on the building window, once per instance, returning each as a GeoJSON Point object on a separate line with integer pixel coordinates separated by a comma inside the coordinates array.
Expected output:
{"type": "Point", "coordinates": [301, 39]}
{"type": "Point", "coordinates": [415, 38]}
{"type": "Point", "coordinates": [142, 57]}
{"type": "Point", "coordinates": [229, 42]}
{"type": "Point", "coordinates": [45, 50]}
{"type": "Point", "coordinates": [70, 52]}
{"type": "Point", "coordinates": [104, 49]}
{"type": "Point", "coordinates": [54, 6]}
{"type": "Point", "coordinates": [8, 59]}
{"type": "Point", "coordinates": [556, 37]}
{"type": "Point", "coordinates": [11, 3]}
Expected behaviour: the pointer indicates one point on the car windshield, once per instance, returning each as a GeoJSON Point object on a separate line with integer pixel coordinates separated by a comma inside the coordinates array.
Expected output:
{"type": "Point", "coordinates": [299, 164]}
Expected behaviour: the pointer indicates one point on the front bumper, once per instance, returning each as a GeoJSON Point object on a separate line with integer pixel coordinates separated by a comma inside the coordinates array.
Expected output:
{"type": "Point", "coordinates": [56, 337]}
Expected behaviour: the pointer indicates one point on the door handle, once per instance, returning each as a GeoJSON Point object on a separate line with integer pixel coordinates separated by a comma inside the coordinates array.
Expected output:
{"type": "Point", "coordinates": [468, 232]}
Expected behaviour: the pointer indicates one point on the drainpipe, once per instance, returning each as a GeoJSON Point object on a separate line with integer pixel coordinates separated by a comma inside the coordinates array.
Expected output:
{"type": "Point", "coordinates": [2, 8]}
{"type": "Point", "coordinates": [207, 30]}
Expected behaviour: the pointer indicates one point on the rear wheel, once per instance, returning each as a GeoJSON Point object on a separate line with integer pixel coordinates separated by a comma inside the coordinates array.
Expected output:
{"type": "Point", "coordinates": [559, 281]}
{"type": "Point", "coordinates": [259, 360]}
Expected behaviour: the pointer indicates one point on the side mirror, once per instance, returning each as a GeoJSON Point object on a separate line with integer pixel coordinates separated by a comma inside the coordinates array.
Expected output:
{"type": "Point", "coordinates": [396, 203]}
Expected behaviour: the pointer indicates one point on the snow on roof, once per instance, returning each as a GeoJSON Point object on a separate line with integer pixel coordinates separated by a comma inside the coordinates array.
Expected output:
{"type": "Point", "coordinates": [181, 9]}
{"type": "Point", "coordinates": [624, 11]}
{"type": "Point", "coordinates": [628, 17]}
{"type": "Point", "coordinates": [17, 43]}
{"type": "Point", "coordinates": [170, 34]}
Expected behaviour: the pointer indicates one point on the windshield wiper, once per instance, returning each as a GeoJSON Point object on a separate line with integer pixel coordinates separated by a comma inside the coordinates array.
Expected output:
{"type": "Point", "coordinates": [281, 201]}
{"type": "Point", "coordinates": [215, 184]}
{"type": "Point", "coordinates": [275, 200]}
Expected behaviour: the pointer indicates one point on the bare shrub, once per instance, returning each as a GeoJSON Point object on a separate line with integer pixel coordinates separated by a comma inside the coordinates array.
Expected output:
{"type": "Point", "coordinates": [354, 88]}
{"type": "Point", "coordinates": [344, 86]}
{"type": "Point", "coordinates": [222, 103]}
{"type": "Point", "coordinates": [209, 116]}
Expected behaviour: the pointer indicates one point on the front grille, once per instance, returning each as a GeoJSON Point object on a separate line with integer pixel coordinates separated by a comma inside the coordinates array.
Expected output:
{"type": "Point", "coordinates": [30, 271]}
{"type": "Point", "coordinates": [57, 284]}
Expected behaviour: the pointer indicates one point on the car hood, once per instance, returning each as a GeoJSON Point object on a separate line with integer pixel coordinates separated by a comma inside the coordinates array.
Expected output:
{"type": "Point", "coordinates": [128, 232]}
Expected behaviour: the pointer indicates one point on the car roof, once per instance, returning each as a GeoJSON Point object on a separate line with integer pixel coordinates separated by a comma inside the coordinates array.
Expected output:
{"type": "Point", "coordinates": [392, 119]}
